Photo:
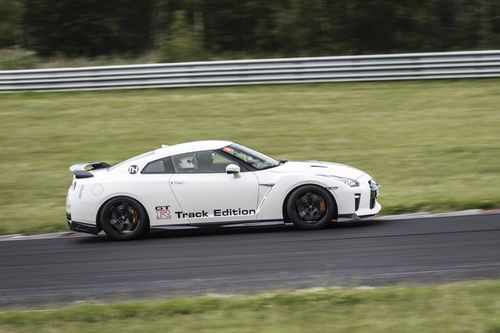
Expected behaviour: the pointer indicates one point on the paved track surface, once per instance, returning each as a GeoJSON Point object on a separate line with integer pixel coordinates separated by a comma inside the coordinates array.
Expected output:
{"type": "Point", "coordinates": [172, 263]}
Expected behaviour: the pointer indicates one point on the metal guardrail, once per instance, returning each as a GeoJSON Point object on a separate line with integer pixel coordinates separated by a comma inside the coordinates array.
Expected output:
{"type": "Point", "coordinates": [410, 66]}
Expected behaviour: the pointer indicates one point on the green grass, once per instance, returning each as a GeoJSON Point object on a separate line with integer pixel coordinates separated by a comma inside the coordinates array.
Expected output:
{"type": "Point", "coordinates": [461, 307]}
{"type": "Point", "coordinates": [432, 145]}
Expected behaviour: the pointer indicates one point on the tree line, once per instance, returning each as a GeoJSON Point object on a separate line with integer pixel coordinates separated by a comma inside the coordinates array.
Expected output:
{"type": "Point", "coordinates": [211, 29]}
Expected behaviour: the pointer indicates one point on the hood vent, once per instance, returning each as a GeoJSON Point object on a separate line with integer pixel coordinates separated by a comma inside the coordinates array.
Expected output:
{"type": "Point", "coordinates": [319, 166]}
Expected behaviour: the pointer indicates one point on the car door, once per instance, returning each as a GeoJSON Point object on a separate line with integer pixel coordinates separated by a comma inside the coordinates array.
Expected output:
{"type": "Point", "coordinates": [153, 187]}
{"type": "Point", "coordinates": [207, 194]}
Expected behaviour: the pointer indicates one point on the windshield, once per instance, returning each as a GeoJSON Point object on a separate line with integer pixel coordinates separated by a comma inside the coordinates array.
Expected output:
{"type": "Point", "coordinates": [257, 160]}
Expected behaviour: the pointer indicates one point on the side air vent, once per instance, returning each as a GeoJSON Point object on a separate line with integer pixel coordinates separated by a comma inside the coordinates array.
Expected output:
{"type": "Point", "coordinates": [357, 200]}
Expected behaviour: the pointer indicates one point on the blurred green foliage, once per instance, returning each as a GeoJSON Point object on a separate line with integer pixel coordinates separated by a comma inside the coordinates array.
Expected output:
{"type": "Point", "coordinates": [459, 307]}
{"type": "Point", "coordinates": [11, 27]}
{"type": "Point", "coordinates": [86, 27]}
{"type": "Point", "coordinates": [182, 43]}
{"type": "Point", "coordinates": [18, 58]}
{"type": "Point", "coordinates": [206, 29]}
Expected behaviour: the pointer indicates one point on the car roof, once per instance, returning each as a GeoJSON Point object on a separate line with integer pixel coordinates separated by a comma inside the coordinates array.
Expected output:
{"type": "Point", "coordinates": [187, 147]}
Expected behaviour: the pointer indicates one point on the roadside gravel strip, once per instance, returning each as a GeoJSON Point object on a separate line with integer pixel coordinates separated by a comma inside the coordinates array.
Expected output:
{"type": "Point", "coordinates": [65, 267]}
{"type": "Point", "coordinates": [420, 215]}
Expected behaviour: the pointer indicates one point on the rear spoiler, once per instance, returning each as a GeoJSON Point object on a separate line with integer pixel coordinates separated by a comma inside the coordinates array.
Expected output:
{"type": "Point", "coordinates": [82, 170]}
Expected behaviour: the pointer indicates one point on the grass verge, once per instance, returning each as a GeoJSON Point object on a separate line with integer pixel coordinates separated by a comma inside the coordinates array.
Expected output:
{"type": "Point", "coordinates": [432, 145]}
{"type": "Point", "coordinates": [460, 307]}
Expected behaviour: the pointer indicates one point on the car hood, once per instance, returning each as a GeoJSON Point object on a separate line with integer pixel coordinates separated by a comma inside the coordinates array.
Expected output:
{"type": "Point", "coordinates": [317, 167]}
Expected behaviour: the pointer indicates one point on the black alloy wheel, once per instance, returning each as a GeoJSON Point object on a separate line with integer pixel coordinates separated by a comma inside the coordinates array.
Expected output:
{"type": "Point", "coordinates": [311, 207]}
{"type": "Point", "coordinates": [123, 218]}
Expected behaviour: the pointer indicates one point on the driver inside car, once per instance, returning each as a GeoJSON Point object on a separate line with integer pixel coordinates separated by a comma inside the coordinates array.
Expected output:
{"type": "Point", "coordinates": [203, 161]}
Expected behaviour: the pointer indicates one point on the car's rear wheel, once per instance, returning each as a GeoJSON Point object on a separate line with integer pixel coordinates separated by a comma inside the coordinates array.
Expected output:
{"type": "Point", "coordinates": [123, 218]}
{"type": "Point", "coordinates": [311, 207]}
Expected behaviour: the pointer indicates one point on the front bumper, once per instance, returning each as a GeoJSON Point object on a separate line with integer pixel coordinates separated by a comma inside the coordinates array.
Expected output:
{"type": "Point", "coordinates": [360, 201]}
{"type": "Point", "coordinates": [353, 217]}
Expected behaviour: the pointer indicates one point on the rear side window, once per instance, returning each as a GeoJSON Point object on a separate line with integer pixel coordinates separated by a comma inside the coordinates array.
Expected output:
{"type": "Point", "coordinates": [159, 166]}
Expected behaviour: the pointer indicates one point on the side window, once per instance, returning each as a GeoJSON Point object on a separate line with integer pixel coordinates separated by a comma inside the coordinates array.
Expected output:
{"type": "Point", "coordinates": [183, 163]}
{"type": "Point", "coordinates": [159, 166]}
{"type": "Point", "coordinates": [201, 162]}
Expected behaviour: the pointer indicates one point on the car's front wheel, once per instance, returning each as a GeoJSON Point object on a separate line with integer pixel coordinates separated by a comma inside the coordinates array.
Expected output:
{"type": "Point", "coordinates": [123, 218]}
{"type": "Point", "coordinates": [311, 207]}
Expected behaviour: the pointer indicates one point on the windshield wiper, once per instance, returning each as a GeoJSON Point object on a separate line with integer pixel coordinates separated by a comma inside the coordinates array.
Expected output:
{"type": "Point", "coordinates": [282, 162]}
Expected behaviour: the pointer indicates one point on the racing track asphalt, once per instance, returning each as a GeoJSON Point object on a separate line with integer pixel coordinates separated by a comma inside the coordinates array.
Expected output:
{"type": "Point", "coordinates": [173, 263]}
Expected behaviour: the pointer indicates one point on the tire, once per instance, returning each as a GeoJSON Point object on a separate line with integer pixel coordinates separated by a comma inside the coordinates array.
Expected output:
{"type": "Point", "coordinates": [123, 218]}
{"type": "Point", "coordinates": [311, 207]}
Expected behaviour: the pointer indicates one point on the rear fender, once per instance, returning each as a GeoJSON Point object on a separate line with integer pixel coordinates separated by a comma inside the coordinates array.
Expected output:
{"type": "Point", "coordinates": [98, 216]}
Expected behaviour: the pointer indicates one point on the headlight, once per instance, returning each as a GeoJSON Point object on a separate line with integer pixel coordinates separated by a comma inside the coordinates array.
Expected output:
{"type": "Point", "coordinates": [374, 187]}
{"type": "Point", "coordinates": [348, 181]}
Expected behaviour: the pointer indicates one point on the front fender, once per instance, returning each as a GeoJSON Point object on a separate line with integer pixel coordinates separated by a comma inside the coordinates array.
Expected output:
{"type": "Point", "coordinates": [271, 207]}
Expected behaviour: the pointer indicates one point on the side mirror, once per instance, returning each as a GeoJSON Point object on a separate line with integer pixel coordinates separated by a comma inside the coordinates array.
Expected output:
{"type": "Point", "coordinates": [233, 169]}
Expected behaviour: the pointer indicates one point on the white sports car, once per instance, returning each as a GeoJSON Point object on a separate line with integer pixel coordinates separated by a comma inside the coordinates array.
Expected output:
{"type": "Point", "coordinates": [213, 182]}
